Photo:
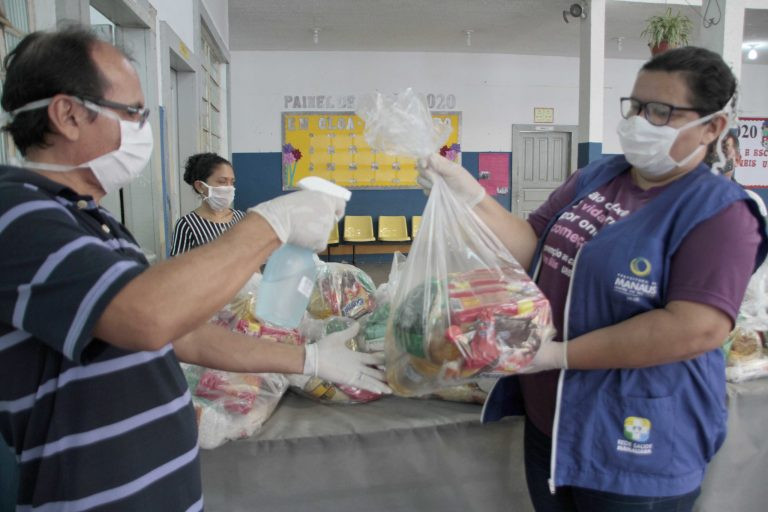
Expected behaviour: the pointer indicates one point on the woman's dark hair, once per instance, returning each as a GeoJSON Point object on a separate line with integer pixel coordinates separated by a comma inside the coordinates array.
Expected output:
{"type": "Point", "coordinates": [201, 166]}
{"type": "Point", "coordinates": [42, 65]}
{"type": "Point", "coordinates": [710, 81]}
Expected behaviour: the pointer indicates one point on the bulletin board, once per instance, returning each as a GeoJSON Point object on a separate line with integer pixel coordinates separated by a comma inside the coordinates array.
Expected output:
{"type": "Point", "coordinates": [753, 146]}
{"type": "Point", "coordinates": [331, 145]}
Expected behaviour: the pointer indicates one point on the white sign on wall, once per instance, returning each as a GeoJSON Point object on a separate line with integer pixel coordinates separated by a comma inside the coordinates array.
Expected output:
{"type": "Point", "coordinates": [753, 146]}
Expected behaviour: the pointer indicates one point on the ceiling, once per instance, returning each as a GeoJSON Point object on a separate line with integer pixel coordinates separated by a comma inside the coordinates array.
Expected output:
{"type": "Point", "coordinates": [534, 27]}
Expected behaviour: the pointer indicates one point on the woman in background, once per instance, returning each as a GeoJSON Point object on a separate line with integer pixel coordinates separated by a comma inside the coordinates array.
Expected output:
{"type": "Point", "coordinates": [213, 178]}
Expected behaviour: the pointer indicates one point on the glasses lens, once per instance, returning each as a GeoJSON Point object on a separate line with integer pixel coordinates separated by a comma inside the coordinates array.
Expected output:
{"type": "Point", "coordinates": [629, 108]}
{"type": "Point", "coordinates": [143, 116]}
{"type": "Point", "coordinates": [657, 113]}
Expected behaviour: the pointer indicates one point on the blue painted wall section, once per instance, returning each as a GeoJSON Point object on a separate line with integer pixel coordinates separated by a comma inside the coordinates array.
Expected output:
{"type": "Point", "coordinates": [589, 152]}
{"type": "Point", "coordinates": [258, 178]}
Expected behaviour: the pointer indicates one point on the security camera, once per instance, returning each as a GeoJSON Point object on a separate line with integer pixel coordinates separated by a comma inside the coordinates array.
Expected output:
{"type": "Point", "coordinates": [576, 10]}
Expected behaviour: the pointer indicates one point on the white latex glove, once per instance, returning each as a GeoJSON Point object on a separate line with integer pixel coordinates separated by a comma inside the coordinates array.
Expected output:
{"type": "Point", "coordinates": [552, 355]}
{"type": "Point", "coordinates": [303, 218]}
{"type": "Point", "coordinates": [458, 179]}
{"type": "Point", "coordinates": [330, 359]}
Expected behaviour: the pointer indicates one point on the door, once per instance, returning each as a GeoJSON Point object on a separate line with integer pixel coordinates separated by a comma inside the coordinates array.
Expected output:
{"type": "Point", "coordinates": [542, 159]}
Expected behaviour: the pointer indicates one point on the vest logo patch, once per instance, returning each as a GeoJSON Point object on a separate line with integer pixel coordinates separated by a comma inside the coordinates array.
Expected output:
{"type": "Point", "coordinates": [641, 267]}
{"type": "Point", "coordinates": [637, 431]}
{"type": "Point", "coordinates": [636, 283]}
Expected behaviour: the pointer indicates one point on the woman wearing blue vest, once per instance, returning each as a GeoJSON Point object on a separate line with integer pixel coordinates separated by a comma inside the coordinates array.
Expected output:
{"type": "Point", "coordinates": [627, 410]}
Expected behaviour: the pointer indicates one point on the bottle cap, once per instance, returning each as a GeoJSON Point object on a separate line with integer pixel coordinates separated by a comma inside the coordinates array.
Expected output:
{"type": "Point", "coordinates": [326, 187]}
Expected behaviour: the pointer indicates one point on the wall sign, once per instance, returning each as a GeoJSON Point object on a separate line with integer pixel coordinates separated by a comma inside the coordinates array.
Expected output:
{"type": "Point", "coordinates": [331, 145]}
{"type": "Point", "coordinates": [543, 115]}
{"type": "Point", "coordinates": [753, 146]}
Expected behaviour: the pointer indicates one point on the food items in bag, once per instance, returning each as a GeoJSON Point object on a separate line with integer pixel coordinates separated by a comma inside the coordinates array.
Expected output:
{"type": "Point", "coordinates": [745, 344]}
{"type": "Point", "coordinates": [229, 405]}
{"type": "Point", "coordinates": [480, 323]}
{"type": "Point", "coordinates": [323, 390]}
{"type": "Point", "coordinates": [341, 290]}
{"type": "Point", "coordinates": [747, 358]}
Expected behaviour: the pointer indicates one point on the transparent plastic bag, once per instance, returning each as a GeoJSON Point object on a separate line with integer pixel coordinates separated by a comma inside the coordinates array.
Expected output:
{"type": "Point", "coordinates": [401, 124]}
{"type": "Point", "coordinates": [230, 405]}
{"type": "Point", "coordinates": [745, 348]}
{"type": "Point", "coordinates": [463, 308]}
{"type": "Point", "coordinates": [341, 290]}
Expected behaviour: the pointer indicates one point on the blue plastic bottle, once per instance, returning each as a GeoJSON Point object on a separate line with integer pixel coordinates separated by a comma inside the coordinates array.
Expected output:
{"type": "Point", "coordinates": [289, 276]}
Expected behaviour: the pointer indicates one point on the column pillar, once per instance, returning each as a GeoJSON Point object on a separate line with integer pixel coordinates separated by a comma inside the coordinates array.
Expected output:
{"type": "Point", "coordinates": [727, 35]}
{"type": "Point", "coordinates": [591, 82]}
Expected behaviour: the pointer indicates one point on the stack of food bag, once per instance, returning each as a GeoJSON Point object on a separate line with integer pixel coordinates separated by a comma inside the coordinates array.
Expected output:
{"type": "Point", "coordinates": [746, 352]}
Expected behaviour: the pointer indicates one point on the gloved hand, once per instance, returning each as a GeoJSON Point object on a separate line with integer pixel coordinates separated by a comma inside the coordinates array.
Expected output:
{"type": "Point", "coordinates": [458, 179]}
{"type": "Point", "coordinates": [330, 359]}
{"type": "Point", "coordinates": [552, 355]}
{"type": "Point", "coordinates": [303, 218]}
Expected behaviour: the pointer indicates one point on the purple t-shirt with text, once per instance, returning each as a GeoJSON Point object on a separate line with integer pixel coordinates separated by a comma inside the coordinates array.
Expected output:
{"type": "Point", "coordinates": [712, 265]}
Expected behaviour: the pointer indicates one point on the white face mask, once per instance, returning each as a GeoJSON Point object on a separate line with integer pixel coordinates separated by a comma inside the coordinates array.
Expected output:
{"type": "Point", "coordinates": [647, 147]}
{"type": "Point", "coordinates": [219, 198]}
{"type": "Point", "coordinates": [117, 168]}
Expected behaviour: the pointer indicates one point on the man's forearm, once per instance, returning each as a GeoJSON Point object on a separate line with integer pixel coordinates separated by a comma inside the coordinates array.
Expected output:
{"type": "Point", "coordinates": [216, 347]}
{"type": "Point", "coordinates": [175, 296]}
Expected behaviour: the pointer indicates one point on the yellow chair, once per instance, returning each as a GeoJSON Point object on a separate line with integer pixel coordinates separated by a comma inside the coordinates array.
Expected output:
{"type": "Point", "coordinates": [393, 229]}
{"type": "Point", "coordinates": [333, 239]}
{"type": "Point", "coordinates": [415, 224]}
{"type": "Point", "coordinates": [358, 229]}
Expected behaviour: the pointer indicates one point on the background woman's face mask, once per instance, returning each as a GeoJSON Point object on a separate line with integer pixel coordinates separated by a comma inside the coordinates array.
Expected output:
{"type": "Point", "coordinates": [647, 146]}
{"type": "Point", "coordinates": [219, 198]}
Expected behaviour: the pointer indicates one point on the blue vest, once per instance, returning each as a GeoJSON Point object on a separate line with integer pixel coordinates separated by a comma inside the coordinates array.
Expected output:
{"type": "Point", "coordinates": [648, 431]}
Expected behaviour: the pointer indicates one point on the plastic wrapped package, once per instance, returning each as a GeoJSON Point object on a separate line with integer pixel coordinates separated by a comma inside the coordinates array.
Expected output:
{"type": "Point", "coordinates": [747, 357]}
{"type": "Point", "coordinates": [745, 348]}
{"type": "Point", "coordinates": [323, 390]}
{"type": "Point", "coordinates": [463, 308]}
{"type": "Point", "coordinates": [341, 290]}
{"type": "Point", "coordinates": [229, 405]}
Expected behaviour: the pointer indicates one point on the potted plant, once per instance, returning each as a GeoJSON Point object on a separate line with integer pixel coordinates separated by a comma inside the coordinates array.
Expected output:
{"type": "Point", "coordinates": [667, 31]}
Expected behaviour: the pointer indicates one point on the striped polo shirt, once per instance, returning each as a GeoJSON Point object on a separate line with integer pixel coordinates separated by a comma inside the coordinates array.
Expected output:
{"type": "Point", "coordinates": [93, 427]}
{"type": "Point", "coordinates": [193, 231]}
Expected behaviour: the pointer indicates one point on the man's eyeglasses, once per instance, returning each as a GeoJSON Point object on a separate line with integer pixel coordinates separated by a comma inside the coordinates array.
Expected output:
{"type": "Point", "coordinates": [142, 113]}
{"type": "Point", "coordinates": [657, 113]}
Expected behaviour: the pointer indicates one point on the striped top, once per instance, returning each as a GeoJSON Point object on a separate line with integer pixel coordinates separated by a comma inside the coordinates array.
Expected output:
{"type": "Point", "coordinates": [93, 427]}
{"type": "Point", "coordinates": [193, 231]}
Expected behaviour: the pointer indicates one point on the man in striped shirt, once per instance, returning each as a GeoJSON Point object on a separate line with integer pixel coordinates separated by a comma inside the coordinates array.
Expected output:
{"type": "Point", "coordinates": [92, 399]}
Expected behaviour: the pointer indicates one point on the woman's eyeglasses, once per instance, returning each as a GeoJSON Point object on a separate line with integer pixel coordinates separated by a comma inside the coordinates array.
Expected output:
{"type": "Point", "coordinates": [657, 113]}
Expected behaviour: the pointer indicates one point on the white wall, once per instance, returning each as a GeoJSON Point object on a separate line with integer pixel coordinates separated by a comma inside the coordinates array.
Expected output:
{"type": "Point", "coordinates": [753, 99]}
{"type": "Point", "coordinates": [179, 15]}
{"type": "Point", "coordinates": [219, 12]}
{"type": "Point", "coordinates": [493, 91]}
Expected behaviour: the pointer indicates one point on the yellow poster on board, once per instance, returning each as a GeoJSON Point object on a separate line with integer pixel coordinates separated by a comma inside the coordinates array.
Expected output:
{"type": "Point", "coordinates": [331, 145]}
